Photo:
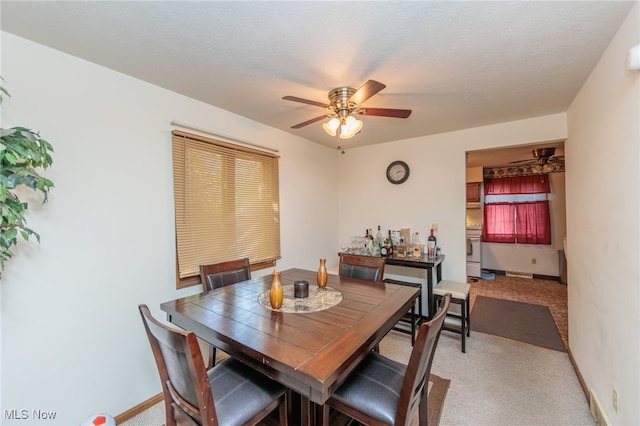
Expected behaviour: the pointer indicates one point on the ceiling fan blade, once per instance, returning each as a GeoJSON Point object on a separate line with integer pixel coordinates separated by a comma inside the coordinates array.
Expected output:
{"type": "Point", "coordinates": [523, 161]}
{"type": "Point", "coordinates": [366, 91]}
{"type": "Point", "coordinates": [305, 101]}
{"type": "Point", "coordinates": [313, 120]}
{"type": "Point", "coordinates": [386, 112]}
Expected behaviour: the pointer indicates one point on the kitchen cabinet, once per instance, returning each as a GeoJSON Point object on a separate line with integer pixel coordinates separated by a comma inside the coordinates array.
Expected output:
{"type": "Point", "coordinates": [475, 174]}
{"type": "Point", "coordinates": [473, 192]}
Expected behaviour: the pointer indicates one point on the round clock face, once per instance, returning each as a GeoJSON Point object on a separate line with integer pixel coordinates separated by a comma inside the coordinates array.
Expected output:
{"type": "Point", "coordinates": [398, 172]}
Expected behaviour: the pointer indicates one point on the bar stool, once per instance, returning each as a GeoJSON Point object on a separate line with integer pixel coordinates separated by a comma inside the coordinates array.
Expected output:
{"type": "Point", "coordinates": [411, 318]}
{"type": "Point", "coordinates": [459, 295]}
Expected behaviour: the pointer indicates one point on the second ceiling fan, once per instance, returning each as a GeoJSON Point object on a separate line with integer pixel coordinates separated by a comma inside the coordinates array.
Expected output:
{"type": "Point", "coordinates": [343, 103]}
{"type": "Point", "coordinates": [541, 156]}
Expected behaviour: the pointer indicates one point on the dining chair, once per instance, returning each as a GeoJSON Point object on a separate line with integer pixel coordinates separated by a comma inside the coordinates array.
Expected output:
{"type": "Point", "coordinates": [231, 393]}
{"type": "Point", "coordinates": [381, 391]}
{"type": "Point", "coordinates": [368, 268]}
{"type": "Point", "coordinates": [221, 274]}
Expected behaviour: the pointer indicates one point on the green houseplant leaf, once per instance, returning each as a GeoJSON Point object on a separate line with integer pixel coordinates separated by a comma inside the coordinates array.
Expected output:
{"type": "Point", "coordinates": [22, 153]}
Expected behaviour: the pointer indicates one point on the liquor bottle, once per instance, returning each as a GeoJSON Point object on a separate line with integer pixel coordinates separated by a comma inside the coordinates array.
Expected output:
{"type": "Point", "coordinates": [366, 239]}
{"type": "Point", "coordinates": [390, 243]}
{"type": "Point", "coordinates": [384, 248]}
{"type": "Point", "coordinates": [401, 248]}
{"type": "Point", "coordinates": [416, 245]}
{"type": "Point", "coordinates": [431, 244]}
{"type": "Point", "coordinates": [379, 241]}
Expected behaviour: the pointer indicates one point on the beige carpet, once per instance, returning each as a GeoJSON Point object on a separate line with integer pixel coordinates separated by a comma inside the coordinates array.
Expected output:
{"type": "Point", "coordinates": [500, 381]}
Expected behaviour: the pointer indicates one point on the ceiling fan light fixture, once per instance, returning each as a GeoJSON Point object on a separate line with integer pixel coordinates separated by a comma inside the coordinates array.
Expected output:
{"type": "Point", "coordinates": [345, 135]}
{"type": "Point", "coordinates": [350, 128]}
{"type": "Point", "coordinates": [353, 125]}
{"type": "Point", "coordinates": [331, 127]}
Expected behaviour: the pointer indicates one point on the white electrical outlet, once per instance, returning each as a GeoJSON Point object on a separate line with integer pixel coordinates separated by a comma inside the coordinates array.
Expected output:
{"type": "Point", "coordinates": [434, 226]}
{"type": "Point", "coordinates": [616, 401]}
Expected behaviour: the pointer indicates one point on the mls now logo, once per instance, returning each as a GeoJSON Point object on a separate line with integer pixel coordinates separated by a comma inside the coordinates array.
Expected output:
{"type": "Point", "coordinates": [23, 414]}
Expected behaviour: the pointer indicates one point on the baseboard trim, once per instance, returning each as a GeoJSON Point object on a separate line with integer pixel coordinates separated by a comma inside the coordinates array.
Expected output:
{"type": "Point", "coordinates": [134, 411]}
{"type": "Point", "coordinates": [583, 385]}
{"type": "Point", "coordinates": [536, 276]}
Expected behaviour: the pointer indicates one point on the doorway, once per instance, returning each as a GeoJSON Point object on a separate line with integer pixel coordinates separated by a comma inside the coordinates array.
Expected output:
{"type": "Point", "coordinates": [542, 261]}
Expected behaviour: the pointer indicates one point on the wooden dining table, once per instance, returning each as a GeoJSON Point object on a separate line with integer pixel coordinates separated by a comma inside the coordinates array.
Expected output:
{"type": "Point", "coordinates": [311, 353]}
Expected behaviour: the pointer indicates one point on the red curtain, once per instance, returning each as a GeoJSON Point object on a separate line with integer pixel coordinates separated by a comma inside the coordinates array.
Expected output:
{"type": "Point", "coordinates": [499, 223]}
{"type": "Point", "coordinates": [536, 184]}
{"type": "Point", "coordinates": [533, 223]}
{"type": "Point", "coordinates": [522, 223]}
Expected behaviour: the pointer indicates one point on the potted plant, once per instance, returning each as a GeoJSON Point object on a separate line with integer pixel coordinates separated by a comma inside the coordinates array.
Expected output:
{"type": "Point", "coordinates": [22, 153]}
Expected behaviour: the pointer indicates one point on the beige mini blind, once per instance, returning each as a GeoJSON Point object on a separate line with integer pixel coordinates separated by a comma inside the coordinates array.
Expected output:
{"type": "Point", "coordinates": [227, 203]}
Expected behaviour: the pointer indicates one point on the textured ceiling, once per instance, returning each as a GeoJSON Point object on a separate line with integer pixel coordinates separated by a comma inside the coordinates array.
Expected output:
{"type": "Point", "coordinates": [455, 64]}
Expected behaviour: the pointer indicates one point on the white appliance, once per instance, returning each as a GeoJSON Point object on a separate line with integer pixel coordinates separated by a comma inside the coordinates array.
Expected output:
{"type": "Point", "coordinates": [474, 252]}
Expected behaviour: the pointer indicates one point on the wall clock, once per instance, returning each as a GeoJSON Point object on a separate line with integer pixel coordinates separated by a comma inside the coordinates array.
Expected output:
{"type": "Point", "coordinates": [398, 172]}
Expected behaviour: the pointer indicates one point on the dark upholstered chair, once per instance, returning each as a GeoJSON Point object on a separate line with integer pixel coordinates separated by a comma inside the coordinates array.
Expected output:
{"type": "Point", "coordinates": [228, 394]}
{"type": "Point", "coordinates": [363, 267]}
{"type": "Point", "coordinates": [221, 274]}
{"type": "Point", "coordinates": [384, 392]}
{"type": "Point", "coordinates": [224, 273]}
{"type": "Point", "coordinates": [368, 268]}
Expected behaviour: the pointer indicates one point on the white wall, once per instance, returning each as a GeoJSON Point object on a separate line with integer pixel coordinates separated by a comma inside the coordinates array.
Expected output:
{"type": "Point", "coordinates": [436, 189]}
{"type": "Point", "coordinates": [509, 257]}
{"type": "Point", "coordinates": [603, 196]}
{"type": "Point", "coordinates": [72, 339]}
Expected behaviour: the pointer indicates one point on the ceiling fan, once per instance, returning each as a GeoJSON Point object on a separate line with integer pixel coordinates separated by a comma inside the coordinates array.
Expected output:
{"type": "Point", "coordinates": [541, 156]}
{"type": "Point", "coordinates": [343, 103]}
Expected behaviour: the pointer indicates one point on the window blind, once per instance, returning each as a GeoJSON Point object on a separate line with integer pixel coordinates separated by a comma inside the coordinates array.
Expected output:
{"type": "Point", "coordinates": [226, 203]}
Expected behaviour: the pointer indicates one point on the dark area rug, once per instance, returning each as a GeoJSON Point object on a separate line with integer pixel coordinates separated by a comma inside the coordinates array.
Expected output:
{"type": "Point", "coordinates": [519, 321]}
{"type": "Point", "coordinates": [435, 400]}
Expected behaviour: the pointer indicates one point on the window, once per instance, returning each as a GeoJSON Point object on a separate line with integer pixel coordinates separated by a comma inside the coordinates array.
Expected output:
{"type": "Point", "coordinates": [517, 210]}
{"type": "Point", "coordinates": [226, 205]}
